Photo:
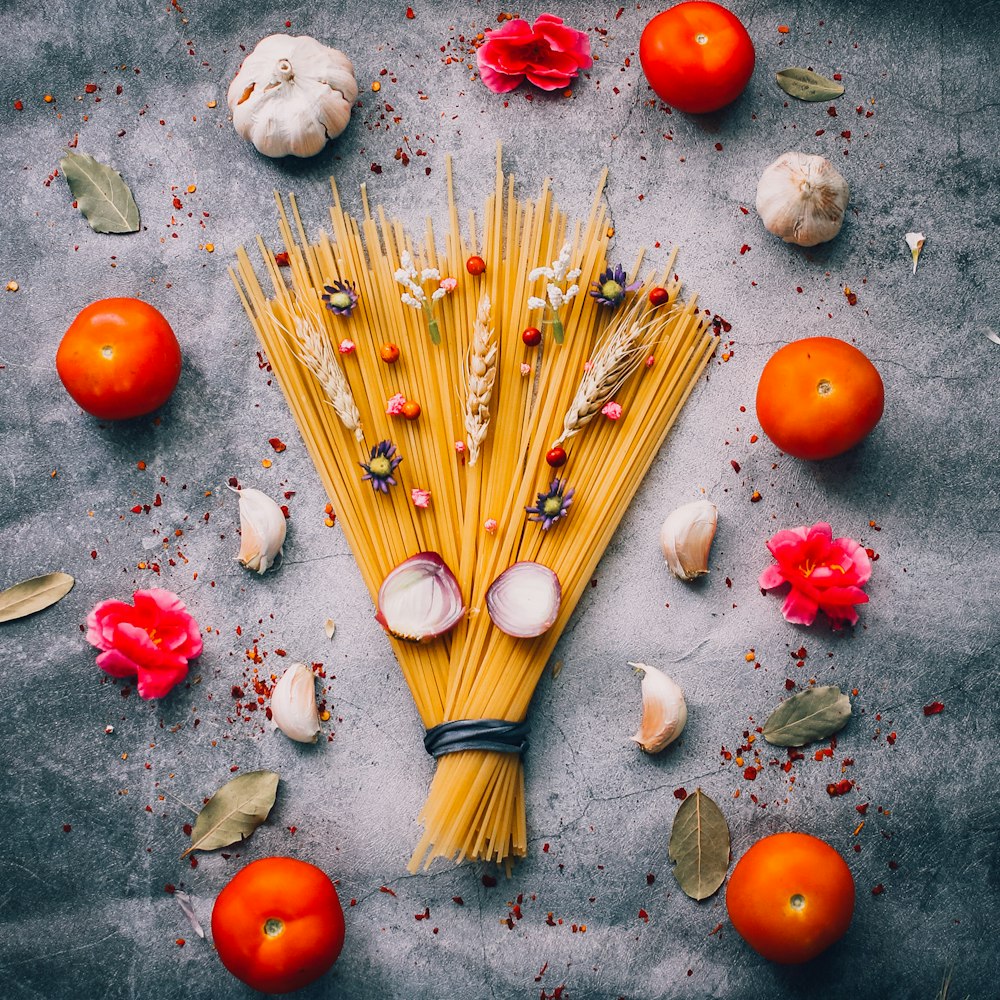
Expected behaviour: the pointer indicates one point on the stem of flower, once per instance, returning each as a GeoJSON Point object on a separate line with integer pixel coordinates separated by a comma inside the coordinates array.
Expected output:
{"type": "Point", "coordinates": [432, 326]}
{"type": "Point", "coordinates": [552, 319]}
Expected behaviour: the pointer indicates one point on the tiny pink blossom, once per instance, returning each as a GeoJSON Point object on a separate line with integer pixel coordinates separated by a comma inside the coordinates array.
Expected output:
{"type": "Point", "coordinates": [825, 574]}
{"type": "Point", "coordinates": [650, 361]}
{"type": "Point", "coordinates": [460, 447]}
{"type": "Point", "coordinates": [525, 368]}
{"type": "Point", "coordinates": [152, 641]}
{"type": "Point", "coordinates": [449, 284]}
{"type": "Point", "coordinates": [420, 498]}
{"type": "Point", "coordinates": [612, 410]}
{"type": "Point", "coordinates": [346, 347]}
{"type": "Point", "coordinates": [395, 404]}
{"type": "Point", "coordinates": [588, 366]}
{"type": "Point", "coordinates": [548, 53]}
{"type": "Point", "coordinates": [490, 524]}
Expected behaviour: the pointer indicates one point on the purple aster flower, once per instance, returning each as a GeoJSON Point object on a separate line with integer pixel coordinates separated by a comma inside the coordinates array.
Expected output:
{"type": "Point", "coordinates": [610, 289]}
{"type": "Point", "coordinates": [551, 506]}
{"type": "Point", "coordinates": [380, 466]}
{"type": "Point", "coordinates": [340, 297]}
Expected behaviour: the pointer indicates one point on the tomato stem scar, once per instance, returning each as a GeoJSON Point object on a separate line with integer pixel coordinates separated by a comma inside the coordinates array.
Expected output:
{"type": "Point", "coordinates": [273, 926]}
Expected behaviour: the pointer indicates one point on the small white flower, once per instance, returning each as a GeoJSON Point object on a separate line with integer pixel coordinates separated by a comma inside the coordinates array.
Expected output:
{"type": "Point", "coordinates": [428, 273]}
{"type": "Point", "coordinates": [555, 296]}
{"type": "Point", "coordinates": [571, 292]}
{"type": "Point", "coordinates": [409, 300]}
{"type": "Point", "coordinates": [439, 294]}
{"type": "Point", "coordinates": [536, 303]}
{"type": "Point", "coordinates": [574, 274]}
{"type": "Point", "coordinates": [541, 272]}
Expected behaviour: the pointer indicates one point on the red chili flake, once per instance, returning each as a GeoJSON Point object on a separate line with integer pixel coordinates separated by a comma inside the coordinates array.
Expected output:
{"type": "Point", "coordinates": [376, 168]}
{"type": "Point", "coordinates": [820, 131]}
{"type": "Point", "coordinates": [846, 134]}
{"type": "Point", "coordinates": [409, 14]}
{"type": "Point", "coordinates": [841, 787]}
{"type": "Point", "coordinates": [277, 444]}
{"type": "Point", "coordinates": [137, 509]}
{"type": "Point", "coordinates": [891, 739]}
{"type": "Point", "coordinates": [177, 202]}
{"type": "Point", "coordinates": [643, 915]}
{"type": "Point", "coordinates": [650, 878]}
{"type": "Point", "coordinates": [783, 29]}
{"type": "Point", "coordinates": [838, 77]}
{"type": "Point", "coordinates": [18, 105]}
{"type": "Point", "coordinates": [423, 916]}
{"type": "Point", "coordinates": [170, 888]}
{"type": "Point", "coordinates": [718, 146]}
{"type": "Point", "coordinates": [234, 768]}
{"type": "Point", "coordinates": [489, 881]}
{"type": "Point", "coordinates": [734, 464]}
{"type": "Point", "coordinates": [387, 890]}
{"type": "Point", "coordinates": [789, 684]}
{"type": "Point", "coordinates": [755, 497]}
{"type": "Point", "coordinates": [750, 773]}
{"type": "Point", "coordinates": [744, 248]}
{"type": "Point", "coordinates": [745, 211]}
{"type": "Point", "coordinates": [545, 848]}
{"type": "Point", "coordinates": [831, 111]}
{"type": "Point", "coordinates": [549, 920]}
{"type": "Point", "coordinates": [934, 708]}
{"type": "Point", "coordinates": [66, 828]}
{"type": "Point", "coordinates": [458, 900]}
{"type": "Point", "coordinates": [187, 829]}
{"type": "Point", "coordinates": [680, 793]}
{"type": "Point", "coordinates": [753, 438]}
{"type": "Point", "coordinates": [877, 890]}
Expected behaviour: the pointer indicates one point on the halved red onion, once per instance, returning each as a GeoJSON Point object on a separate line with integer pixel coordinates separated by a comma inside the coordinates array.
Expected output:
{"type": "Point", "coordinates": [420, 599]}
{"type": "Point", "coordinates": [524, 600]}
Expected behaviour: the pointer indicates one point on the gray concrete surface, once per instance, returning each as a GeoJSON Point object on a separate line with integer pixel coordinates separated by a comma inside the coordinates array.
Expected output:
{"type": "Point", "coordinates": [84, 912]}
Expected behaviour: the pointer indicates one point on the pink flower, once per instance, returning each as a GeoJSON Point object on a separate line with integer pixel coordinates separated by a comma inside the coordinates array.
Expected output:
{"type": "Point", "coordinates": [394, 405]}
{"type": "Point", "coordinates": [460, 447]}
{"type": "Point", "coordinates": [346, 347]}
{"type": "Point", "coordinates": [549, 53]}
{"type": "Point", "coordinates": [152, 641]}
{"type": "Point", "coordinates": [490, 524]}
{"type": "Point", "coordinates": [449, 284]}
{"type": "Point", "coordinates": [825, 573]}
{"type": "Point", "coordinates": [420, 498]}
{"type": "Point", "coordinates": [525, 368]}
{"type": "Point", "coordinates": [612, 411]}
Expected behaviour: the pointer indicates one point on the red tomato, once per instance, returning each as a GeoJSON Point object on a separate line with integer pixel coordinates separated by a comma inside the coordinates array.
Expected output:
{"type": "Point", "coordinates": [697, 56]}
{"type": "Point", "coordinates": [819, 397]}
{"type": "Point", "coordinates": [119, 359]}
{"type": "Point", "coordinates": [790, 897]}
{"type": "Point", "coordinates": [278, 925]}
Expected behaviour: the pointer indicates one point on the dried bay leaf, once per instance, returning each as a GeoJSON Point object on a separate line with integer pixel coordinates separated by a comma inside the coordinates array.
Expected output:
{"type": "Point", "coordinates": [813, 714]}
{"type": "Point", "coordinates": [103, 198]}
{"type": "Point", "coordinates": [805, 85]}
{"type": "Point", "coordinates": [234, 811]}
{"type": "Point", "coordinates": [34, 595]}
{"type": "Point", "coordinates": [699, 844]}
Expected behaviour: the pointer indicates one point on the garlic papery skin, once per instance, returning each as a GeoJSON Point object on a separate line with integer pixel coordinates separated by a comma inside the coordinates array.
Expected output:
{"type": "Point", "coordinates": [293, 704]}
{"type": "Point", "coordinates": [262, 529]}
{"type": "Point", "coordinates": [915, 241]}
{"type": "Point", "coordinates": [686, 537]}
{"type": "Point", "coordinates": [802, 198]}
{"type": "Point", "coordinates": [664, 710]}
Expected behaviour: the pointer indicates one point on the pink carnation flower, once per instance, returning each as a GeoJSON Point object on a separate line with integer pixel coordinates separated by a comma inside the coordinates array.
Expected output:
{"type": "Point", "coordinates": [825, 573]}
{"type": "Point", "coordinates": [549, 53]}
{"type": "Point", "coordinates": [420, 498]}
{"type": "Point", "coordinates": [152, 641]}
{"type": "Point", "coordinates": [394, 405]}
{"type": "Point", "coordinates": [612, 411]}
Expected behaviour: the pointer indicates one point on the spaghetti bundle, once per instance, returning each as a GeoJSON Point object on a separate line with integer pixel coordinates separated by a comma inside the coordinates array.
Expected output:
{"type": "Point", "coordinates": [491, 409]}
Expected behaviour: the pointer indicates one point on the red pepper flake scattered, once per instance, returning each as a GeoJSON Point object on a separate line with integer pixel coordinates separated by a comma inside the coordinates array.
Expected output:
{"type": "Point", "coordinates": [458, 901]}
{"type": "Point", "coordinates": [750, 773]}
{"type": "Point", "coordinates": [718, 147]}
{"type": "Point", "coordinates": [66, 828]}
{"type": "Point", "coordinates": [386, 890]}
{"type": "Point", "coordinates": [934, 708]}
{"type": "Point", "coordinates": [180, 942]}
{"type": "Point", "coordinates": [650, 878]}
{"type": "Point", "coordinates": [644, 916]}
{"type": "Point", "coordinates": [281, 259]}
{"type": "Point", "coordinates": [789, 684]}
{"type": "Point", "coordinates": [423, 916]}
{"type": "Point", "coordinates": [409, 14]}
{"type": "Point", "coordinates": [753, 439]}
{"type": "Point", "coordinates": [891, 739]}
{"type": "Point", "coordinates": [170, 888]}
{"type": "Point", "coordinates": [18, 105]}
{"type": "Point", "coordinates": [783, 29]}
{"type": "Point", "coordinates": [187, 828]}
{"type": "Point", "coordinates": [831, 111]}
{"type": "Point", "coordinates": [755, 497]}
{"type": "Point", "coordinates": [744, 248]}
{"type": "Point", "coordinates": [846, 134]}
{"type": "Point", "coordinates": [841, 787]}
{"type": "Point", "coordinates": [877, 890]}
{"type": "Point", "coordinates": [734, 464]}
{"type": "Point", "coordinates": [376, 168]}
{"type": "Point", "coordinates": [277, 444]}
{"type": "Point", "coordinates": [489, 881]}
{"type": "Point", "coordinates": [680, 793]}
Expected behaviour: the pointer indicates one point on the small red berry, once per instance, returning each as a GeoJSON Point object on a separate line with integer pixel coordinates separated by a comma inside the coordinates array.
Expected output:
{"type": "Point", "coordinates": [657, 296]}
{"type": "Point", "coordinates": [411, 409]}
{"type": "Point", "coordinates": [532, 336]}
{"type": "Point", "coordinates": [475, 266]}
{"type": "Point", "coordinates": [556, 457]}
{"type": "Point", "coordinates": [389, 353]}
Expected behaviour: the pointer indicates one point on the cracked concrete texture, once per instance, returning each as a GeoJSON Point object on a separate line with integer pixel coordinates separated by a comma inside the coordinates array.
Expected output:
{"type": "Point", "coordinates": [85, 913]}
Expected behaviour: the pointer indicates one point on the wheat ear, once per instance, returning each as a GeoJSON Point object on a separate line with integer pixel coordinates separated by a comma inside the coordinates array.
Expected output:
{"type": "Point", "coordinates": [316, 354]}
{"type": "Point", "coordinates": [480, 374]}
{"type": "Point", "coordinates": [624, 349]}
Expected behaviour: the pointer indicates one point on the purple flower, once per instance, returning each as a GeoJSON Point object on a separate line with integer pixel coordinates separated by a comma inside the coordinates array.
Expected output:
{"type": "Point", "coordinates": [551, 506]}
{"type": "Point", "coordinates": [340, 297]}
{"type": "Point", "coordinates": [380, 466]}
{"type": "Point", "coordinates": [610, 289]}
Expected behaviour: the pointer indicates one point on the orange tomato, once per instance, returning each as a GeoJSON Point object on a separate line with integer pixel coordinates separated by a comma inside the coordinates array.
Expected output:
{"type": "Point", "coordinates": [278, 924]}
{"type": "Point", "coordinates": [697, 56]}
{"type": "Point", "coordinates": [119, 359]}
{"type": "Point", "coordinates": [790, 897]}
{"type": "Point", "coordinates": [819, 397]}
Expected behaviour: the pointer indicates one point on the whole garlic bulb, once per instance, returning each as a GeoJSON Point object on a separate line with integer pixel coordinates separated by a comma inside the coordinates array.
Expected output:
{"type": "Point", "coordinates": [291, 94]}
{"type": "Point", "coordinates": [293, 704]}
{"type": "Point", "coordinates": [802, 198]}
{"type": "Point", "coordinates": [262, 530]}
{"type": "Point", "coordinates": [686, 537]}
{"type": "Point", "coordinates": [664, 711]}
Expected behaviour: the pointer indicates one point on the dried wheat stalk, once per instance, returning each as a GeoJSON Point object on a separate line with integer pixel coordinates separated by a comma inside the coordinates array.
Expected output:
{"type": "Point", "coordinates": [480, 374]}
{"type": "Point", "coordinates": [316, 354]}
{"type": "Point", "coordinates": [624, 349]}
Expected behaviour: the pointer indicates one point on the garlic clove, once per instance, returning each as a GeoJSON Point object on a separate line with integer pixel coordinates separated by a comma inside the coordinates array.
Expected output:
{"type": "Point", "coordinates": [293, 704]}
{"type": "Point", "coordinates": [802, 199]}
{"type": "Point", "coordinates": [686, 537]}
{"type": "Point", "coordinates": [262, 530]}
{"type": "Point", "coordinates": [664, 711]}
{"type": "Point", "coordinates": [915, 241]}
